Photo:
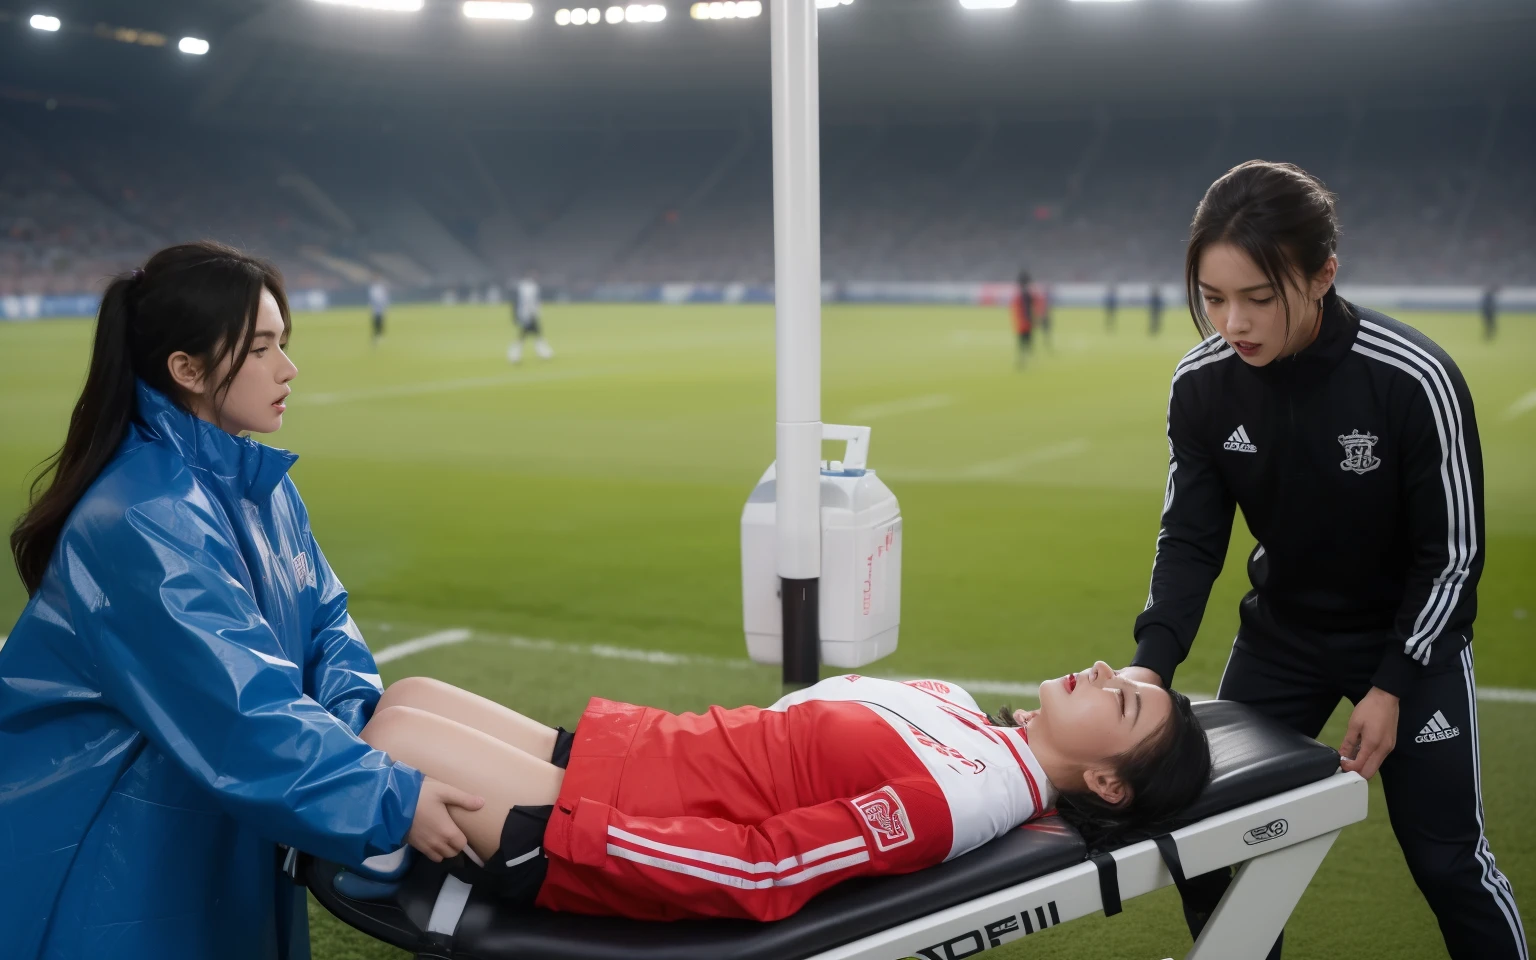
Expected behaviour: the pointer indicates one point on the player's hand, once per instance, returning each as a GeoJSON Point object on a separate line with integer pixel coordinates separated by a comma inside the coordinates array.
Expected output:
{"type": "Point", "coordinates": [1372, 733]}
{"type": "Point", "coordinates": [433, 831]}
{"type": "Point", "coordinates": [1141, 674]}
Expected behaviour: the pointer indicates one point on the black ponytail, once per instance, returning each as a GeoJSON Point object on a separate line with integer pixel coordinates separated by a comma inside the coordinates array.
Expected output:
{"type": "Point", "coordinates": [199, 298]}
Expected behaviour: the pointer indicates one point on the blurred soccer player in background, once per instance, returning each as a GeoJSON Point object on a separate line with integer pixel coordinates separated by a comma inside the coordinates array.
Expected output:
{"type": "Point", "coordinates": [378, 302]}
{"type": "Point", "coordinates": [1111, 304]}
{"type": "Point", "coordinates": [1490, 312]}
{"type": "Point", "coordinates": [525, 313]}
{"type": "Point", "coordinates": [1023, 316]}
{"type": "Point", "coordinates": [1155, 309]}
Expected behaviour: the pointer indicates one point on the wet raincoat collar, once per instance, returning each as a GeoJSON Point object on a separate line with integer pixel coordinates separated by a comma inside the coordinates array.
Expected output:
{"type": "Point", "coordinates": [251, 469]}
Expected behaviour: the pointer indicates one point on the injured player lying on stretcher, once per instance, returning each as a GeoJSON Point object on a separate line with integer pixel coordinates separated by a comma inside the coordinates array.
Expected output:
{"type": "Point", "coordinates": [750, 812]}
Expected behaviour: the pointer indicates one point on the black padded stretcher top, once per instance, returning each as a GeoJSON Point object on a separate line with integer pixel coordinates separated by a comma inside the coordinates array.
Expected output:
{"type": "Point", "coordinates": [1253, 758]}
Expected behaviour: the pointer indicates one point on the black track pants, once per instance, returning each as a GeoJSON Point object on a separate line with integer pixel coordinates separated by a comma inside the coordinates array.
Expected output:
{"type": "Point", "coordinates": [1431, 778]}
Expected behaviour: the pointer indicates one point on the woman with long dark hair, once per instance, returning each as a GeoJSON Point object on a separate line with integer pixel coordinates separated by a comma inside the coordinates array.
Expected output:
{"type": "Point", "coordinates": [1349, 440]}
{"type": "Point", "coordinates": [185, 689]}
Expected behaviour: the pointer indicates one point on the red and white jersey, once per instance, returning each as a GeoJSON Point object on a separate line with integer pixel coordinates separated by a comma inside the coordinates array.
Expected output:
{"type": "Point", "coordinates": [750, 812]}
{"type": "Point", "coordinates": [990, 779]}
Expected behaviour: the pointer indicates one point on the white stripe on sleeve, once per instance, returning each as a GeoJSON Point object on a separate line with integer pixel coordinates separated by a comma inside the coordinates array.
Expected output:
{"type": "Point", "coordinates": [1455, 477]}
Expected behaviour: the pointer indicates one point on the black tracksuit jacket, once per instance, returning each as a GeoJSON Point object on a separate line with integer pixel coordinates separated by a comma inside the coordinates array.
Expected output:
{"type": "Point", "coordinates": [1357, 465]}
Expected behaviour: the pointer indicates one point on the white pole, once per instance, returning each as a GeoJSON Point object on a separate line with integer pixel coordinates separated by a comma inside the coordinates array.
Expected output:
{"type": "Point", "coordinates": [797, 313]}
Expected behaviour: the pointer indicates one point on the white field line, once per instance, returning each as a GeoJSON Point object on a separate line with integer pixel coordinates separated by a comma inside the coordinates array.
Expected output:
{"type": "Point", "coordinates": [1525, 404]}
{"type": "Point", "coordinates": [874, 411]}
{"type": "Point", "coordinates": [439, 386]}
{"type": "Point", "coordinates": [441, 638]}
{"type": "Point", "coordinates": [666, 658]}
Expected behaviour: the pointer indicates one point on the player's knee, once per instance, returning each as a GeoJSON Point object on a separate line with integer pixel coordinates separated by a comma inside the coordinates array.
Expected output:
{"type": "Point", "coordinates": [393, 728]}
{"type": "Point", "coordinates": [409, 692]}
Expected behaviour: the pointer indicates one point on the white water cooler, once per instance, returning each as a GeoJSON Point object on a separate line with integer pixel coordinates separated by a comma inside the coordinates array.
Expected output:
{"type": "Point", "coordinates": [860, 585]}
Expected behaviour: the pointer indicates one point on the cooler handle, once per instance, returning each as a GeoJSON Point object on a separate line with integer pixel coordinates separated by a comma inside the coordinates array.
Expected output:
{"type": "Point", "coordinates": [857, 453]}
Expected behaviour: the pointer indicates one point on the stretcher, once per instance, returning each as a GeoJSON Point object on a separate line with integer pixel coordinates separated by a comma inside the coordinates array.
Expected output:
{"type": "Point", "coordinates": [1275, 804]}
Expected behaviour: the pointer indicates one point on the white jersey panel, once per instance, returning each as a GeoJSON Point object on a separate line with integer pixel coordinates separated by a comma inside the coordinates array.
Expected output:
{"type": "Point", "coordinates": [989, 777]}
{"type": "Point", "coordinates": [527, 300]}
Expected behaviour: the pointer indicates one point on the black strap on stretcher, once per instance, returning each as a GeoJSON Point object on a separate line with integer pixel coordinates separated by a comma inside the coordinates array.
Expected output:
{"type": "Point", "coordinates": [1109, 875]}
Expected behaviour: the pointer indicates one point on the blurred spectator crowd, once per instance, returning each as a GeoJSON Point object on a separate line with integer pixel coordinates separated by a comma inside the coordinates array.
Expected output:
{"type": "Point", "coordinates": [1439, 195]}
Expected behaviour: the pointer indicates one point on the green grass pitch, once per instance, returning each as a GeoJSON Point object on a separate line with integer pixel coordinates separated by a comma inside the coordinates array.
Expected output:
{"type": "Point", "coordinates": [594, 500]}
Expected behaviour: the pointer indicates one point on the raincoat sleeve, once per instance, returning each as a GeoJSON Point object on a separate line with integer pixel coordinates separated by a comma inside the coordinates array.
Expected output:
{"type": "Point", "coordinates": [178, 646]}
{"type": "Point", "coordinates": [339, 670]}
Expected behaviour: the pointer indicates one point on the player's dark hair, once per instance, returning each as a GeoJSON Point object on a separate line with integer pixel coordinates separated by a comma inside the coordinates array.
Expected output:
{"type": "Point", "coordinates": [1163, 775]}
{"type": "Point", "coordinates": [1278, 214]}
{"type": "Point", "coordinates": [200, 298]}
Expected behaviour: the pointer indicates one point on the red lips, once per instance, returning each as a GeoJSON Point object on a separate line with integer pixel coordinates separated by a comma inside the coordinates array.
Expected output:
{"type": "Point", "coordinates": [1071, 681]}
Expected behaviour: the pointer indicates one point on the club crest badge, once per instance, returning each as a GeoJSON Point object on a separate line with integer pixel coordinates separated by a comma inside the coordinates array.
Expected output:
{"type": "Point", "coordinates": [1358, 452]}
{"type": "Point", "coordinates": [886, 818]}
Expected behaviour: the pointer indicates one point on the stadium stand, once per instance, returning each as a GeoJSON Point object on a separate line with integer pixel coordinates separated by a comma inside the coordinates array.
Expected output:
{"type": "Point", "coordinates": [1430, 194]}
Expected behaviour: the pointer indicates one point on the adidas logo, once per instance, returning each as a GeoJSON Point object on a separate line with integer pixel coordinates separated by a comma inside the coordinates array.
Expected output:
{"type": "Point", "coordinates": [1438, 728]}
{"type": "Point", "coordinates": [1239, 441]}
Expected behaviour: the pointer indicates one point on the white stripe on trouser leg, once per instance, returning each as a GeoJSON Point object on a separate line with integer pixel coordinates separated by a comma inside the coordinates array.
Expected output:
{"type": "Point", "coordinates": [735, 863]}
{"type": "Point", "coordinates": [1492, 879]}
{"type": "Point", "coordinates": [742, 883]}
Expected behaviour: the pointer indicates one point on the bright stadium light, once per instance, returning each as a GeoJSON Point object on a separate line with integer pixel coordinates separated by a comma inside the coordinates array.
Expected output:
{"type": "Point", "coordinates": [395, 6]}
{"type": "Point", "coordinates": [987, 4]}
{"type": "Point", "coordinates": [41, 21]}
{"type": "Point", "coordinates": [193, 45]}
{"type": "Point", "coordinates": [497, 10]}
{"type": "Point", "coordinates": [563, 17]}
{"type": "Point", "coordinates": [727, 10]}
{"type": "Point", "coordinates": [615, 15]}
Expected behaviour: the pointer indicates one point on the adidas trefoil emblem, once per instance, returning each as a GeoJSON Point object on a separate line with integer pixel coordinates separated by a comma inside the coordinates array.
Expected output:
{"type": "Point", "coordinates": [1438, 728]}
{"type": "Point", "coordinates": [1239, 441]}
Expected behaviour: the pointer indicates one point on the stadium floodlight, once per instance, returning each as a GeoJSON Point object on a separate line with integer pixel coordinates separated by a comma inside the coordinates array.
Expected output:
{"type": "Point", "coordinates": [615, 15]}
{"type": "Point", "coordinates": [987, 4]}
{"type": "Point", "coordinates": [41, 21]}
{"type": "Point", "coordinates": [497, 10]}
{"type": "Point", "coordinates": [394, 6]}
{"type": "Point", "coordinates": [193, 45]}
{"type": "Point", "coordinates": [643, 13]}
{"type": "Point", "coordinates": [727, 10]}
{"type": "Point", "coordinates": [563, 17]}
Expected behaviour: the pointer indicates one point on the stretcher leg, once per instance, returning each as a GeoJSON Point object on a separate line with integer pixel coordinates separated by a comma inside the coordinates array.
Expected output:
{"type": "Point", "coordinates": [1259, 902]}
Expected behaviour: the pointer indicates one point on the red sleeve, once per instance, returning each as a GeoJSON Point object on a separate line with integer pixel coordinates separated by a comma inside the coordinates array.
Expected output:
{"type": "Point", "coordinates": [677, 867]}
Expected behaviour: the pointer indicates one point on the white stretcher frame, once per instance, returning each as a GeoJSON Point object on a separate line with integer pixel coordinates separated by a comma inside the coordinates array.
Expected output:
{"type": "Point", "coordinates": [1275, 864]}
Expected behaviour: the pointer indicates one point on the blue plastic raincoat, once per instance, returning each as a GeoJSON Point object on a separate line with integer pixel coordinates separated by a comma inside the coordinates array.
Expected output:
{"type": "Point", "coordinates": [183, 693]}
